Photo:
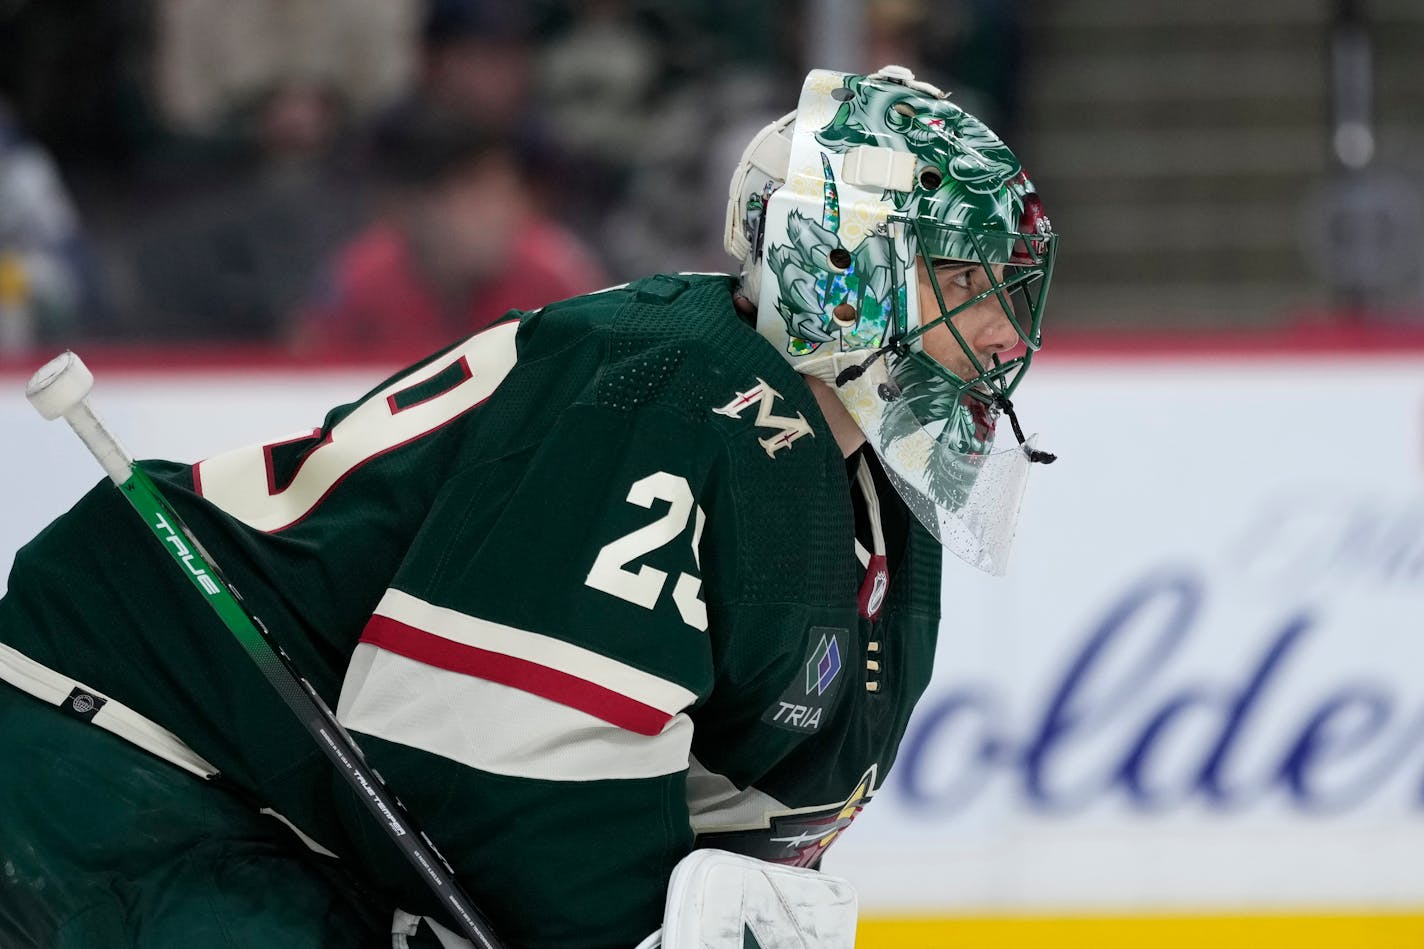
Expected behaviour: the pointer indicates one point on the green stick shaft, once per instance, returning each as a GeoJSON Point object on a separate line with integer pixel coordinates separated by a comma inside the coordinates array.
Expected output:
{"type": "Point", "coordinates": [150, 504]}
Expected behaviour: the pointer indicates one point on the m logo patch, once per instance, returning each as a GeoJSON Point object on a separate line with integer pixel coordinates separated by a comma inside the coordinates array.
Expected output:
{"type": "Point", "coordinates": [809, 698]}
{"type": "Point", "coordinates": [764, 398]}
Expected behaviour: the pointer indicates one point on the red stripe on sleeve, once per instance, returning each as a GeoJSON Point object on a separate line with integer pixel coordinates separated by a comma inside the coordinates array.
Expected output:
{"type": "Point", "coordinates": [598, 701]}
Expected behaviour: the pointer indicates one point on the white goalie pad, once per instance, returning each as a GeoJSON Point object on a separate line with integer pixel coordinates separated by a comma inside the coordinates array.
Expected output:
{"type": "Point", "coordinates": [721, 900]}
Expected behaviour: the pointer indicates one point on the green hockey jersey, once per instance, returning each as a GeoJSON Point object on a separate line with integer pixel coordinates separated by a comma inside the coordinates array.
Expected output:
{"type": "Point", "coordinates": [591, 588]}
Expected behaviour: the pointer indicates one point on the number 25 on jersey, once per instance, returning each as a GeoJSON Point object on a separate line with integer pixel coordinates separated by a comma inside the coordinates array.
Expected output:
{"type": "Point", "coordinates": [644, 586]}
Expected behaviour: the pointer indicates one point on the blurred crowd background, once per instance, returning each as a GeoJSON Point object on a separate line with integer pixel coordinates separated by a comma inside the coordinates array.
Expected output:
{"type": "Point", "coordinates": [342, 177]}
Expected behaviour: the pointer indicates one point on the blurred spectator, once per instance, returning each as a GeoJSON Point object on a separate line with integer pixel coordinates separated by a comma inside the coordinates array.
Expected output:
{"type": "Point", "coordinates": [74, 74]}
{"type": "Point", "coordinates": [976, 44]}
{"type": "Point", "coordinates": [459, 244]}
{"type": "Point", "coordinates": [674, 203]}
{"type": "Point", "coordinates": [234, 259]}
{"type": "Point", "coordinates": [597, 81]}
{"type": "Point", "coordinates": [48, 285]}
{"type": "Point", "coordinates": [476, 61]}
{"type": "Point", "coordinates": [216, 58]}
{"type": "Point", "coordinates": [645, 101]}
{"type": "Point", "coordinates": [217, 231]}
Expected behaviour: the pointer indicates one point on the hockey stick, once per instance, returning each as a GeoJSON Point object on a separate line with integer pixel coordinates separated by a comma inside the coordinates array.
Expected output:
{"type": "Point", "coordinates": [60, 389]}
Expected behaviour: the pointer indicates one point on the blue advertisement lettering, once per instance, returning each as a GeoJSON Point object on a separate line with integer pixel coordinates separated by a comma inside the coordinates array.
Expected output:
{"type": "Point", "coordinates": [1126, 720]}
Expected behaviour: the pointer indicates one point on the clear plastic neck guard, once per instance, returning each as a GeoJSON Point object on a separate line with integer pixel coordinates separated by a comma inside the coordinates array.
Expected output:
{"type": "Point", "coordinates": [964, 492]}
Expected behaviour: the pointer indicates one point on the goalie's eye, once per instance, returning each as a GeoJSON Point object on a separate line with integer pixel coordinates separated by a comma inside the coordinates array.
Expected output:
{"type": "Point", "coordinates": [954, 273]}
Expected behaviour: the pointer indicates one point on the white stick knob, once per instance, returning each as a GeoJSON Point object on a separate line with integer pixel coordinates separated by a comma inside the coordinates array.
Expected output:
{"type": "Point", "coordinates": [59, 385]}
{"type": "Point", "coordinates": [61, 390]}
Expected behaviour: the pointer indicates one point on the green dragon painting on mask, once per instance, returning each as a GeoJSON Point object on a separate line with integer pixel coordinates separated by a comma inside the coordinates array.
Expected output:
{"type": "Point", "coordinates": [962, 169]}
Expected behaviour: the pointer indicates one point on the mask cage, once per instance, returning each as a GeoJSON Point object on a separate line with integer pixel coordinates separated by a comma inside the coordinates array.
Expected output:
{"type": "Point", "coordinates": [1028, 269]}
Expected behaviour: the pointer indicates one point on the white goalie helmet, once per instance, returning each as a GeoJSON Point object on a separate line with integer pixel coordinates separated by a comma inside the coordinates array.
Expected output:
{"type": "Point", "coordinates": [830, 210]}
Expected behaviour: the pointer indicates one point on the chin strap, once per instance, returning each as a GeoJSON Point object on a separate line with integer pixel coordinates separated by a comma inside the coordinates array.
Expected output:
{"type": "Point", "coordinates": [889, 391]}
{"type": "Point", "coordinates": [1042, 457]}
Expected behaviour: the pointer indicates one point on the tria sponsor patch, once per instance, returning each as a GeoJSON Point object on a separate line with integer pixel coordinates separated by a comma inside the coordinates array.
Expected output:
{"type": "Point", "coordinates": [808, 700]}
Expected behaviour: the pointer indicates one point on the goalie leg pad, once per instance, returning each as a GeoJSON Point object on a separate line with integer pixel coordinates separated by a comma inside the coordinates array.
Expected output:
{"type": "Point", "coordinates": [721, 900]}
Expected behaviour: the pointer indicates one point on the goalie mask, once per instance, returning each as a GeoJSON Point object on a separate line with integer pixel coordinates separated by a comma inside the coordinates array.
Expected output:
{"type": "Point", "coordinates": [834, 211]}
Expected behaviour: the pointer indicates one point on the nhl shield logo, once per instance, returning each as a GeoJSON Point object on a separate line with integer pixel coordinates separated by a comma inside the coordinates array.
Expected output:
{"type": "Point", "coordinates": [874, 587]}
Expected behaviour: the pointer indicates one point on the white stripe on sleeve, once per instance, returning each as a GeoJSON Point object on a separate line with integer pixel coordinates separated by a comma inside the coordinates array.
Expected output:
{"type": "Point", "coordinates": [497, 728]}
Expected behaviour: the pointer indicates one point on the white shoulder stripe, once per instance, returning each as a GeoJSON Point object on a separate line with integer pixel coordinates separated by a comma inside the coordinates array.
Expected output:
{"type": "Point", "coordinates": [496, 728]}
{"type": "Point", "coordinates": [546, 651]}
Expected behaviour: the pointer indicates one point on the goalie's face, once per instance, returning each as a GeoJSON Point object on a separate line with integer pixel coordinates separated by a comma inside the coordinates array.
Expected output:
{"type": "Point", "coordinates": [978, 316]}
